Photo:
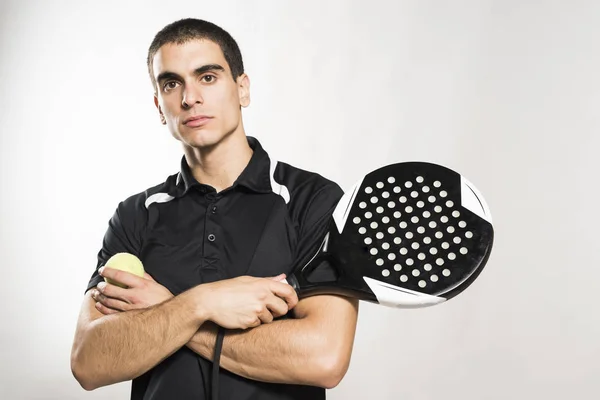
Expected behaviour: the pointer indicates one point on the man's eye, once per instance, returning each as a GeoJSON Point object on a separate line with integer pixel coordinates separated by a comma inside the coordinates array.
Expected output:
{"type": "Point", "coordinates": [209, 78]}
{"type": "Point", "coordinates": [170, 85]}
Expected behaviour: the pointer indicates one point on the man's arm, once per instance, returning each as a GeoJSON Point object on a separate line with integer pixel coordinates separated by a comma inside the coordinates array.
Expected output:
{"type": "Point", "coordinates": [313, 349]}
{"type": "Point", "coordinates": [119, 347]}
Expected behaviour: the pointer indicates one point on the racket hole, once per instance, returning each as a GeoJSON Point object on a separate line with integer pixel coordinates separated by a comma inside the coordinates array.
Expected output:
{"type": "Point", "coordinates": [362, 204]}
{"type": "Point", "coordinates": [414, 194]}
{"type": "Point", "coordinates": [385, 220]}
{"type": "Point", "coordinates": [397, 240]}
{"type": "Point", "coordinates": [373, 251]}
{"type": "Point", "coordinates": [451, 256]}
{"type": "Point", "coordinates": [391, 230]}
{"type": "Point", "coordinates": [426, 214]}
{"type": "Point", "coordinates": [356, 220]}
{"type": "Point", "coordinates": [426, 240]}
{"type": "Point", "coordinates": [379, 235]}
{"type": "Point", "coordinates": [391, 204]}
{"type": "Point", "coordinates": [468, 234]}
{"type": "Point", "coordinates": [439, 261]}
{"type": "Point", "coordinates": [457, 240]}
{"type": "Point", "coordinates": [432, 224]}
{"type": "Point", "coordinates": [403, 225]}
{"type": "Point", "coordinates": [402, 199]}
{"type": "Point", "coordinates": [397, 189]}
{"type": "Point", "coordinates": [463, 250]}
{"type": "Point", "coordinates": [425, 189]}
{"type": "Point", "coordinates": [444, 219]}
{"type": "Point", "coordinates": [421, 256]}
{"type": "Point", "coordinates": [368, 190]}
{"type": "Point", "coordinates": [385, 195]}
{"type": "Point", "coordinates": [449, 204]}
{"type": "Point", "coordinates": [368, 214]}
{"type": "Point", "coordinates": [439, 235]}
{"type": "Point", "coordinates": [462, 224]}
{"type": "Point", "coordinates": [403, 278]}
{"type": "Point", "coordinates": [408, 209]}
{"type": "Point", "coordinates": [421, 230]}
{"type": "Point", "coordinates": [379, 209]}
{"type": "Point", "coordinates": [433, 250]}
{"type": "Point", "coordinates": [391, 179]}
{"type": "Point", "coordinates": [422, 283]}
{"type": "Point", "coordinates": [427, 267]}
{"type": "Point", "coordinates": [415, 245]}
{"type": "Point", "coordinates": [409, 261]}
{"type": "Point", "coordinates": [455, 214]}
{"type": "Point", "coordinates": [374, 225]}
{"type": "Point", "coordinates": [379, 262]}
{"type": "Point", "coordinates": [362, 230]}
{"type": "Point", "coordinates": [414, 219]}
{"type": "Point", "coordinates": [434, 278]}
{"type": "Point", "coordinates": [420, 204]}
{"type": "Point", "coordinates": [408, 184]}
{"type": "Point", "coordinates": [385, 272]}
{"type": "Point", "coordinates": [437, 209]}
{"type": "Point", "coordinates": [391, 256]}
{"type": "Point", "coordinates": [446, 272]}
{"type": "Point", "coordinates": [385, 245]}
{"type": "Point", "coordinates": [397, 267]}
{"type": "Point", "coordinates": [409, 235]}
{"type": "Point", "coordinates": [450, 229]}
{"type": "Point", "coordinates": [431, 199]}
{"type": "Point", "coordinates": [416, 272]}
{"type": "Point", "coordinates": [379, 185]}
{"type": "Point", "coordinates": [443, 193]}
{"type": "Point", "coordinates": [397, 214]}
{"type": "Point", "coordinates": [445, 245]}
{"type": "Point", "coordinates": [368, 241]}
{"type": "Point", "coordinates": [374, 199]}
{"type": "Point", "coordinates": [419, 179]}
{"type": "Point", "coordinates": [403, 251]}
{"type": "Point", "coordinates": [437, 184]}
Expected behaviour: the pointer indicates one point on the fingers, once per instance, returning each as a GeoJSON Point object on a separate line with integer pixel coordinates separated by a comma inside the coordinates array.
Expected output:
{"type": "Point", "coordinates": [149, 277]}
{"type": "Point", "coordinates": [123, 277]}
{"type": "Point", "coordinates": [285, 292]}
{"type": "Point", "coordinates": [277, 306]}
{"type": "Point", "coordinates": [113, 291]}
{"type": "Point", "coordinates": [278, 278]}
{"type": "Point", "coordinates": [114, 304]}
{"type": "Point", "coordinates": [105, 310]}
{"type": "Point", "coordinates": [265, 316]}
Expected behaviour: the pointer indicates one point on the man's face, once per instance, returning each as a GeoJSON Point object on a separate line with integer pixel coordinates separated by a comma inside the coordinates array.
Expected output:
{"type": "Point", "coordinates": [197, 97]}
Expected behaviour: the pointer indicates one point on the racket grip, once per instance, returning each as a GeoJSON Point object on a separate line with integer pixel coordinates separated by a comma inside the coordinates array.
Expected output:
{"type": "Point", "coordinates": [292, 281]}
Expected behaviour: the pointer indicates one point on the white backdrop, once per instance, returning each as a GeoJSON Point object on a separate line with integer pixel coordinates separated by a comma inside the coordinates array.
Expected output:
{"type": "Point", "coordinates": [507, 92]}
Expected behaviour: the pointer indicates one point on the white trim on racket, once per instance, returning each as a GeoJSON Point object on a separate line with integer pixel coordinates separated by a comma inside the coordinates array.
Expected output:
{"type": "Point", "coordinates": [342, 210]}
{"type": "Point", "coordinates": [472, 200]}
{"type": "Point", "coordinates": [394, 296]}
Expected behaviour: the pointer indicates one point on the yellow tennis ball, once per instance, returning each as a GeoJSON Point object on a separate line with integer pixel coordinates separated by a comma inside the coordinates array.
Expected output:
{"type": "Point", "coordinates": [125, 262]}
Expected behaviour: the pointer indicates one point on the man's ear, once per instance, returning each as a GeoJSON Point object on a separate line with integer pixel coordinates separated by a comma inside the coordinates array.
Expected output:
{"type": "Point", "coordinates": [243, 83]}
{"type": "Point", "coordinates": [162, 116]}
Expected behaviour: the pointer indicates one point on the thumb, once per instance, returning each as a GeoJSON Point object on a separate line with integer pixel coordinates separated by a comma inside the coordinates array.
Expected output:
{"type": "Point", "coordinates": [278, 278]}
{"type": "Point", "coordinates": [148, 276]}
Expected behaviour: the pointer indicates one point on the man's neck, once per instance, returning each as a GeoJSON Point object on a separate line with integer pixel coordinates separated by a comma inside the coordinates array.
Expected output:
{"type": "Point", "coordinates": [220, 165]}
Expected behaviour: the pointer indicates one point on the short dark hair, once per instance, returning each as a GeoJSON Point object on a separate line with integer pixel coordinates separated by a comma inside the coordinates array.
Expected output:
{"type": "Point", "coordinates": [187, 29]}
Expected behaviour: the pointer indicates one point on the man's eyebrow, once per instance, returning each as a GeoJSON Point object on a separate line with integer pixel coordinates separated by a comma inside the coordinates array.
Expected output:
{"type": "Point", "coordinates": [198, 71]}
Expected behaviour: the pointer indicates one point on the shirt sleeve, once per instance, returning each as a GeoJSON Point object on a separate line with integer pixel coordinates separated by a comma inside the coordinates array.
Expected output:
{"type": "Point", "coordinates": [124, 234]}
{"type": "Point", "coordinates": [314, 227]}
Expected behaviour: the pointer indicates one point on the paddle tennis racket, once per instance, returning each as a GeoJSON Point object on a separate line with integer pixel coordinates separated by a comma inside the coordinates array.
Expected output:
{"type": "Point", "coordinates": [407, 235]}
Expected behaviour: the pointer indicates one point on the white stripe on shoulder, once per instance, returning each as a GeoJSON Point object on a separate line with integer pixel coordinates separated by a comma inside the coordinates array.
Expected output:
{"type": "Point", "coordinates": [158, 198]}
{"type": "Point", "coordinates": [277, 187]}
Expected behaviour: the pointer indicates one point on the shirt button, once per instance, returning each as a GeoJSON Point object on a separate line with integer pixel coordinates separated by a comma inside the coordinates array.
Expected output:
{"type": "Point", "coordinates": [211, 237]}
{"type": "Point", "coordinates": [214, 209]}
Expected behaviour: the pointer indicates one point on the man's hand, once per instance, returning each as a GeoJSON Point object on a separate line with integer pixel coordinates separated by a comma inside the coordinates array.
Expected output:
{"type": "Point", "coordinates": [141, 293]}
{"type": "Point", "coordinates": [246, 302]}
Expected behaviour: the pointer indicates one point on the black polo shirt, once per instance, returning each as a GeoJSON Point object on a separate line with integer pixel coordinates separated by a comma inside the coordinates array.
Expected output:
{"type": "Point", "coordinates": [273, 217]}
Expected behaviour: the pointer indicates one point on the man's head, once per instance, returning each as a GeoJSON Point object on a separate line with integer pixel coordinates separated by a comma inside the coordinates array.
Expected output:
{"type": "Point", "coordinates": [196, 70]}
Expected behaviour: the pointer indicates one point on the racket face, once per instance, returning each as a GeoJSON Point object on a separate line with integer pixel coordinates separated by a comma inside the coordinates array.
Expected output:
{"type": "Point", "coordinates": [413, 234]}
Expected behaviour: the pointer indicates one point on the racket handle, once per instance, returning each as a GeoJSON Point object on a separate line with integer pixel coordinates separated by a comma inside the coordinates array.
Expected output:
{"type": "Point", "coordinates": [292, 281]}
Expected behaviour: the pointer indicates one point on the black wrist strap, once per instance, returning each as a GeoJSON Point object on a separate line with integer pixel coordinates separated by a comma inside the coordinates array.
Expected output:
{"type": "Point", "coordinates": [216, 363]}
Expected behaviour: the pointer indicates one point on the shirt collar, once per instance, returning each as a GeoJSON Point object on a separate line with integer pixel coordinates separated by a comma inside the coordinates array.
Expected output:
{"type": "Point", "coordinates": [255, 176]}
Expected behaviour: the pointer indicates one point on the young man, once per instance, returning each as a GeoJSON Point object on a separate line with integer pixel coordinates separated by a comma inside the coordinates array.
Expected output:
{"type": "Point", "coordinates": [215, 239]}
